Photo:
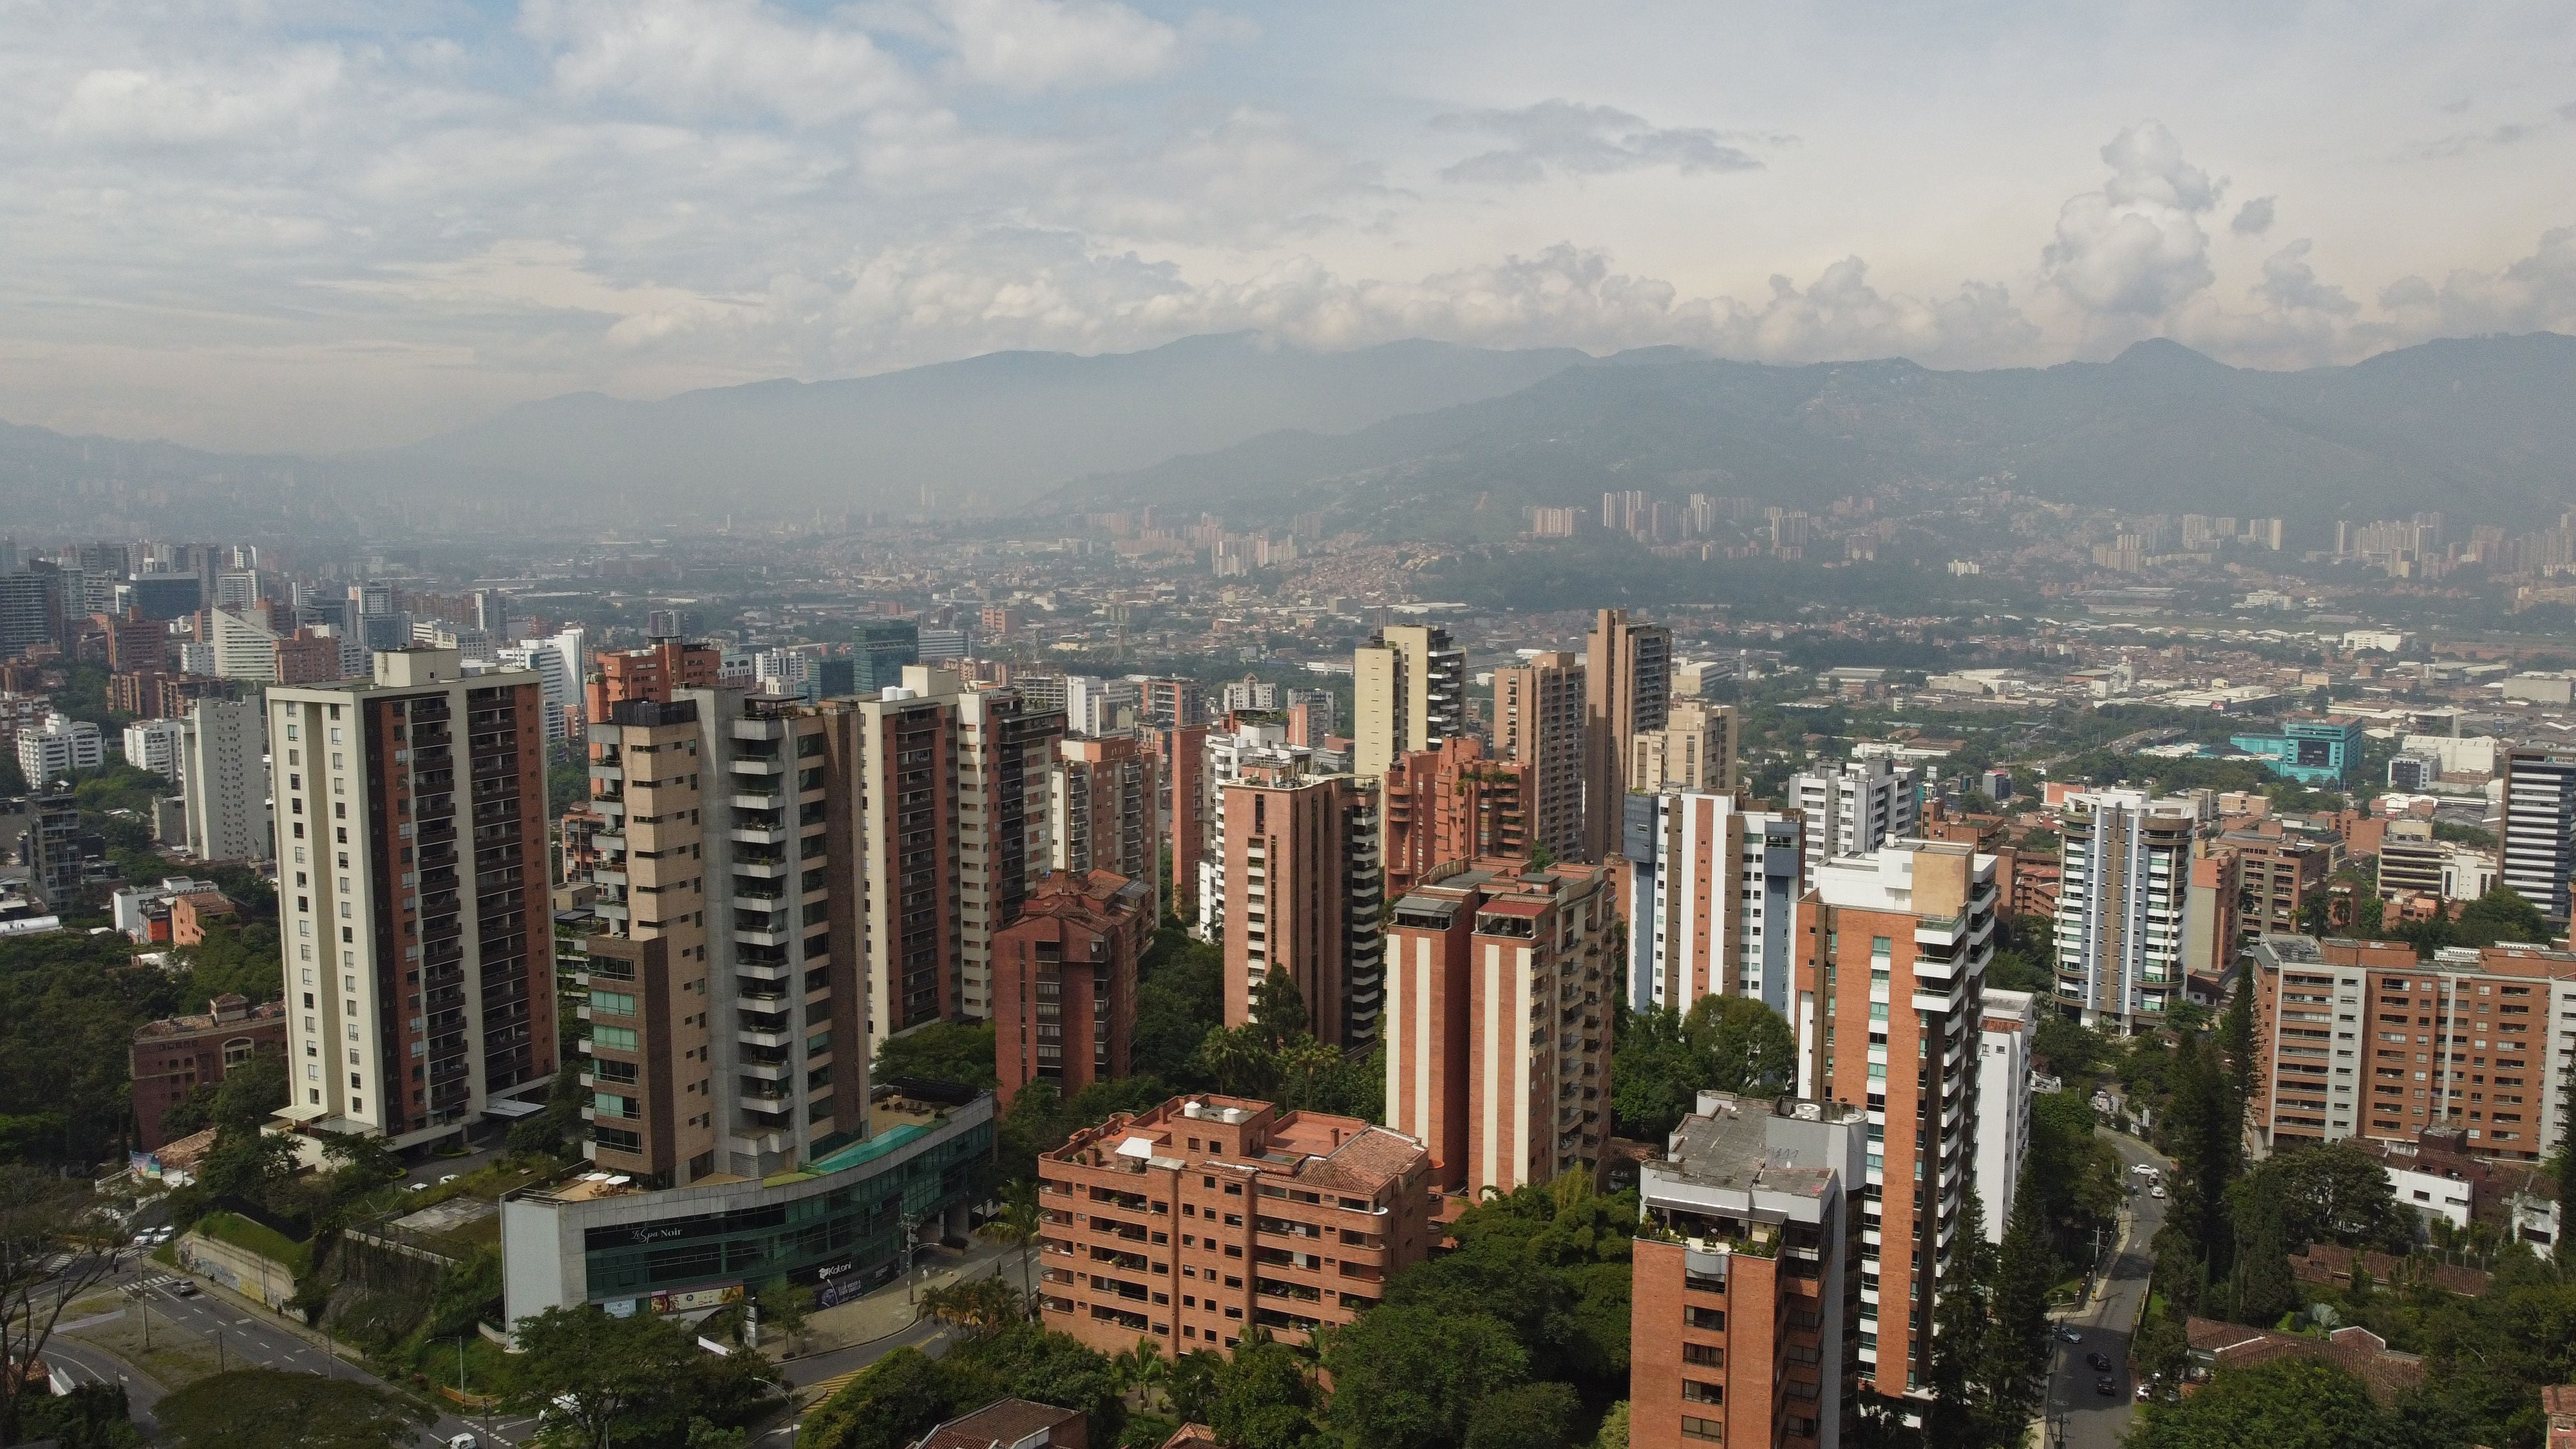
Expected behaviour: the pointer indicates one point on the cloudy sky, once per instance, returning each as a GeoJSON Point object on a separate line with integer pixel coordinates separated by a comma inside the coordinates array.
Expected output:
{"type": "Point", "coordinates": [342, 223]}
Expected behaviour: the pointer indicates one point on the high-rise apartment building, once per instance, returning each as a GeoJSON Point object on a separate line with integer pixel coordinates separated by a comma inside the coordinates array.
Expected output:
{"type": "Point", "coordinates": [1627, 690]}
{"type": "Point", "coordinates": [1450, 804]}
{"type": "Point", "coordinates": [1189, 1225]}
{"type": "Point", "coordinates": [1497, 1024]}
{"type": "Point", "coordinates": [1064, 982]}
{"type": "Point", "coordinates": [881, 650]}
{"type": "Point", "coordinates": [1749, 1274]}
{"type": "Point", "coordinates": [224, 780]}
{"type": "Point", "coordinates": [1247, 748]}
{"type": "Point", "coordinates": [1102, 808]}
{"type": "Point", "coordinates": [2359, 1039]}
{"type": "Point", "coordinates": [1695, 750]}
{"type": "Point", "coordinates": [1303, 887]}
{"type": "Point", "coordinates": [53, 750]}
{"type": "Point", "coordinates": [1713, 896]}
{"type": "Point", "coordinates": [653, 673]}
{"type": "Point", "coordinates": [2122, 903]}
{"type": "Point", "coordinates": [1855, 806]}
{"type": "Point", "coordinates": [156, 745]}
{"type": "Point", "coordinates": [1920, 914]}
{"type": "Point", "coordinates": [412, 894]}
{"type": "Point", "coordinates": [2008, 1032]}
{"type": "Point", "coordinates": [2540, 826]}
{"type": "Point", "coordinates": [1181, 784]}
{"type": "Point", "coordinates": [1005, 749]}
{"type": "Point", "coordinates": [1538, 722]}
{"type": "Point", "coordinates": [1170, 703]}
{"type": "Point", "coordinates": [1409, 692]}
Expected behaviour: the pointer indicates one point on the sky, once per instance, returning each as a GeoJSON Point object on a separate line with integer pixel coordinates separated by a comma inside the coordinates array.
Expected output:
{"type": "Point", "coordinates": [345, 224]}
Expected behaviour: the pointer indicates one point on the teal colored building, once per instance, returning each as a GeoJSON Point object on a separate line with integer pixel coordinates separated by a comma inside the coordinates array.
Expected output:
{"type": "Point", "coordinates": [2310, 751]}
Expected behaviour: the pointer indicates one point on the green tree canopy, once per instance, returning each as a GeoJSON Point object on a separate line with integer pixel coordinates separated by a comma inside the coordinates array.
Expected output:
{"type": "Point", "coordinates": [942, 1051]}
{"type": "Point", "coordinates": [1663, 1059]}
{"type": "Point", "coordinates": [1411, 1377]}
{"type": "Point", "coordinates": [259, 1408]}
{"type": "Point", "coordinates": [2289, 1403]}
{"type": "Point", "coordinates": [604, 1378]}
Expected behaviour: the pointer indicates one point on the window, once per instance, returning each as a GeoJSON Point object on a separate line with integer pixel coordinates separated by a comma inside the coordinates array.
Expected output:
{"type": "Point", "coordinates": [1712, 1319]}
{"type": "Point", "coordinates": [1711, 1430]}
{"type": "Point", "coordinates": [615, 1038]}
{"type": "Point", "coordinates": [613, 1003]}
{"type": "Point", "coordinates": [1705, 1355]}
{"type": "Point", "coordinates": [1695, 1392]}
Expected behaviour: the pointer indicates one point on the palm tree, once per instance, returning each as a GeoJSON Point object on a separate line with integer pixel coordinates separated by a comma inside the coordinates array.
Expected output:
{"type": "Point", "coordinates": [1238, 1058]}
{"type": "Point", "coordinates": [1019, 1225]}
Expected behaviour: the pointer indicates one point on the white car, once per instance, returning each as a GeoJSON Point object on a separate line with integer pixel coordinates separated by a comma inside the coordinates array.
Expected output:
{"type": "Point", "coordinates": [2159, 1192]}
{"type": "Point", "coordinates": [2143, 1169]}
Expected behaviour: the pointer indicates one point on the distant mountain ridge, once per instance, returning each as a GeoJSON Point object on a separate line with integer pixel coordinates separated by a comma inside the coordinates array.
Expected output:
{"type": "Point", "coordinates": [2479, 428]}
{"type": "Point", "coordinates": [995, 430]}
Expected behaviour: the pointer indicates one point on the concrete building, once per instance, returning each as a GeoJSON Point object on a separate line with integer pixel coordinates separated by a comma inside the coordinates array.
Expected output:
{"type": "Point", "coordinates": [1920, 914]}
{"type": "Point", "coordinates": [1171, 703]}
{"type": "Point", "coordinates": [1248, 748]}
{"type": "Point", "coordinates": [1538, 722]}
{"type": "Point", "coordinates": [50, 849]}
{"type": "Point", "coordinates": [156, 745]}
{"type": "Point", "coordinates": [1498, 1022]}
{"type": "Point", "coordinates": [1103, 811]}
{"type": "Point", "coordinates": [2277, 872]}
{"type": "Point", "coordinates": [1303, 887]}
{"type": "Point", "coordinates": [411, 848]}
{"type": "Point", "coordinates": [2359, 1039]}
{"type": "Point", "coordinates": [171, 1058]}
{"type": "Point", "coordinates": [245, 646]}
{"type": "Point", "coordinates": [2310, 751]}
{"type": "Point", "coordinates": [1695, 750]}
{"type": "Point", "coordinates": [1181, 780]}
{"type": "Point", "coordinates": [55, 749]}
{"type": "Point", "coordinates": [1855, 806]}
{"type": "Point", "coordinates": [2411, 859]}
{"type": "Point", "coordinates": [653, 673]}
{"type": "Point", "coordinates": [1627, 690]}
{"type": "Point", "coordinates": [224, 778]}
{"type": "Point", "coordinates": [1409, 692]}
{"type": "Point", "coordinates": [2007, 1033]}
{"type": "Point", "coordinates": [1713, 892]}
{"type": "Point", "coordinates": [2121, 907]}
{"type": "Point", "coordinates": [1449, 804]}
{"type": "Point", "coordinates": [1064, 984]}
{"type": "Point", "coordinates": [1745, 1324]}
{"type": "Point", "coordinates": [1005, 748]}
{"type": "Point", "coordinates": [1189, 1224]}
{"type": "Point", "coordinates": [881, 649]}
{"type": "Point", "coordinates": [2540, 826]}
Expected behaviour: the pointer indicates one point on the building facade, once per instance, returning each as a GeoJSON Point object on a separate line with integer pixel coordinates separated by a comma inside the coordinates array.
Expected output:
{"type": "Point", "coordinates": [224, 780]}
{"type": "Point", "coordinates": [1064, 985]}
{"type": "Point", "coordinates": [1695, 750]}
{"type": "Point", "coordinates": [2121, 903]}
{"type": "Point", "coordinates": [1627, 690]}
{"type": "Point", "coordinates": [1409, 692]}
{"type": "Point", "coordinates": [1920, 914]}
{"type": "Point", "coordinates": [2540, 827]}
{"type": "Point", "coordinates": [2008, 1030]}
{"type": "Point", "coordinates": [1303, 887]}
{"type": "Point", "coordinates": [1854, 807]}
{"type": "Point", "coordinates": [1713, 892]}
{"type": "Point", "coordinates": [1449, 804]}
{"type": "Point", "coordinates": [1188, 1225]}
{"type": "Point", "coordinates": [1744, 1327]}
{"type": "Point", "coordinates": [171, 1058]}
{"type": "Point", "coordinates": [1103, 810]}
{"type": "Point", "coordinates": [1497, 1022]}
{"type": "Point", "coordinates": [412, 895]}
{"type": "Point", "coordinates": [1538, 722]}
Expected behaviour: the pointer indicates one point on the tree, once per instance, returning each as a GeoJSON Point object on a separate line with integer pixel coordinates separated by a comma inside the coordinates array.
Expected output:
{"type": "Point", "coordinates": [53, 1249]}
{"type": "Point", "coordinates": [1240, 1060]}
{"type": "Point", "coordinates": [606, 1378]}
{"type": "Point", "coordinates": [1410, 1377]}
{"type": "Point", "coordinates": [2332, 1191]}
{"type": "Point", "coordinates": [1279, 1008]}
{"type": "Point", "coordinates": [1747, 1046]}
{"type": "Point", "coordinates": [1018, 1226]}
{"type": "Point", "coordinates": [1663, 1060]}
{"type": "Point", "coordinates": [1963, 1399]}
{"type": "Point", "coordinates": [1263, 1397]}
{"type": "Point", "coordinates": [2288, 1403]}
{"type": "Point", "coordinates": [2500, 915]}
{"type": "Point", "coordinates": [2017, 1342]}
{"type": "Point", "coordinates": [1614, 1428]}
{"type": "Point", "coordinates": [890, 1404]}
{"type": "Point", "coordinates": [1529, 1416]}
{"type": "Point", "coordinates": [261, 1408]}
{"type": "Point", "coordinates": [942, 1051]}
{"type": "Point", "coordinates": [91, 1416]}
{"type": "Point", "coordinates": [980, 1307]}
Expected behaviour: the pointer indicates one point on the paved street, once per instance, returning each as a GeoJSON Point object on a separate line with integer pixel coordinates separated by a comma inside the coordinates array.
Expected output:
{"type": "Point", "coordinates": [2079, 1417]}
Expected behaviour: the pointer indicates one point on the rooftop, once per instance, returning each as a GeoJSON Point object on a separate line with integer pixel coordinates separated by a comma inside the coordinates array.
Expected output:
{"type": "Point", "coordinates": [1003, 1422]}
{"type": "Point", "coordinates": [1730, 1146]}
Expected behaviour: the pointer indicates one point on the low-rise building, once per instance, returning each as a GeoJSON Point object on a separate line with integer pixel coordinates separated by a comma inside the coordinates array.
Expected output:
{"type": "Point", "coordinates": [172, 1057]}
{"type": "Point", "coordinates": [1189, 1223]}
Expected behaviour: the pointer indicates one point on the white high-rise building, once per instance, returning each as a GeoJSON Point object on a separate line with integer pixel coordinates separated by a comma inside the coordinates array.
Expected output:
{"type": "Point", "coordinates": [57, 748]}
{"type": "Point", "coordinates": [2122, 898]}
{"type": "Point", "coordinates": [223, 775]}
{"type": "Point", "coordinates": [1093, 706]}
{"type": "Point", "coordinates": [1855, 806]}
{"type": "Point", "coordinates": [244, 647]}
{"type": "Point", "coordinates": [558, 671]}
{"type": "Point", "coordinates": [1714, 891]}
{"type": "Point", "coordinates": [1228, 757]}
{"type": "Point", "coordinates": [2009, 1027]}
{"type": "Point", "coordinates": [155, 745]}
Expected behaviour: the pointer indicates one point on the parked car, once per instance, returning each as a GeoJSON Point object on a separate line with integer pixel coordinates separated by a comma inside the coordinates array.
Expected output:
{"type": "Point", "coordinates": [2070, 1335]}
{"type": "Point", "coordinates": [464, 1441]}
{"type": "Point", "coordinates": [2158, 1193]}
{"type": "Point", "coordinates": [2105, 1388]}
{"type": "Point", "coordinates": [2146, 1391]}
{"type": "Point", "coordinates": [2101, 1361]}
{"type": "Point", "coordinates": [2143, 1169]}
{"type": "Point", "coordinates": [444, 1181]}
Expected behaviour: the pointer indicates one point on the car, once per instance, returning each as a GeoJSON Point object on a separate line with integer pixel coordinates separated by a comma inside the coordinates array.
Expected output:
{"type": "Point", "coordinates": [2070, 1335]}
{"type": "Point", "coordinates": [444, 1181]}
{"type": "Point", "coordinates": [416, 1186]}
{"type": "Point", "coordinates": [185, 1288]}
{"type": "Point", "coordinates": [2143, 1169]}
{"type": "Point", "coordinates": [158, 1236]}
{"type": "Point", "coordinates": [2105, 1387]}
{"type": "Point", "coordinates": [2145, 1392]}
{"type": "Point", "coordinates": [2100, 1361]}
{"type": "Point", "coordinates": [2158, 1193]}
{"type": "Point", "coordinates": [465, 1441]}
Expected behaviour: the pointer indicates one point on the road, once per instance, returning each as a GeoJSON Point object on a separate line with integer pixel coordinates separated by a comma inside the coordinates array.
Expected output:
{"type": "Point", "coordinates": [2079, 1417]}
{"type": "Point", "coordinates": [240, 1334]}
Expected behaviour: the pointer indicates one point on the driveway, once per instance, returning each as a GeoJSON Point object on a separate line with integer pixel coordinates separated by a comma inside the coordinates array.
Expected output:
{"type": "Point", "coordinates": [2078, 1416]}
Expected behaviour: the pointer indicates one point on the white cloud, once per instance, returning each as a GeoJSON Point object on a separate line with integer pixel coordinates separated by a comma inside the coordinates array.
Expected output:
{"type": "Point", "coordinates": [1582, 140]}
{"type": "Point", "coordinates": [190, 107]}
{"type": "Point", "coordinates": [2135, 247]}
{"type": "Point", "coordinates": [2255, 217]}
{"type": "Point", "coordinates": [1029, 46]}
{"type": "Point", "coordinates": [719, 57]}
{"type": "Point", "coordinates": [2535, 293]}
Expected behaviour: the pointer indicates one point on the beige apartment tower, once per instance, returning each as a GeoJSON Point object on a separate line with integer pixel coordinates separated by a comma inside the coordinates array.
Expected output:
{"type": "Point", "coordinates": [1538, 722]}
{"type": "Point", "coordinates": [1409, 692]}
{"type": "Point", "coordinates": [1627, 689]}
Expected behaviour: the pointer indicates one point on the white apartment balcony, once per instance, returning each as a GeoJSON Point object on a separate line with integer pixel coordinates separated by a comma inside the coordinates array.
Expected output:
{"type": "Point", "coordinates": [767, 834]}
{"type": "Point", "coordinates": [756, 765]}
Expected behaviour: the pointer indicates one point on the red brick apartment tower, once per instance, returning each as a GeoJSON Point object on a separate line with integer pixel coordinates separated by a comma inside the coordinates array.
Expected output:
{"type": "Point", "coordinates": [1450, 804]}
{"type": "Point", "coordinates": [1627, 688]}
{"type": "Point", "coordinates": [649, 673]}
{"type": "Point", "coordinates": [2360, 1039]}
{"type": "Point", "coordinates": [1497, 1024]}
{"type": "Point", "coordinates": [903, 765]}
{"type": "Point", "coordinates": [1187, 1223]}
{"type": "Point", "coordinates": [412, 893]}
{"type": "Point", "coordinates": [1182, 788]}
{"type": "Point", "coordinates": [1747, 1278]}
{"type": "Point", "coordinates": [1302, 891]}
{"type": "Point", "coordinates": [1538, 722]}
{"type": "Point", "coordinates": [1893, 949]}
{"type": "Point", "coordinates": [1064, 982]}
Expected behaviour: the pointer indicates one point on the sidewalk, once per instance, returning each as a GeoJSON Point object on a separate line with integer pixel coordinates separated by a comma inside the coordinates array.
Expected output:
{"type": "Point", "coordinates": [890, 1310]}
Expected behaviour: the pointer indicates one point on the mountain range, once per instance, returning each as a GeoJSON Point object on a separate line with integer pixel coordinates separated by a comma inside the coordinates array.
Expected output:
{"type": "Point", "coordinates": [1409, 438]}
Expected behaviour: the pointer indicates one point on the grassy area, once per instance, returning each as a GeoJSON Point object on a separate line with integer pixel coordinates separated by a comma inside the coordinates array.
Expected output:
{"type": "Point", "coordinates": [252, 1237]}
{"type": "Point", "coordinates": [485, 1364]}
{"type": "Point", "coordinates": [487, 1182]}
